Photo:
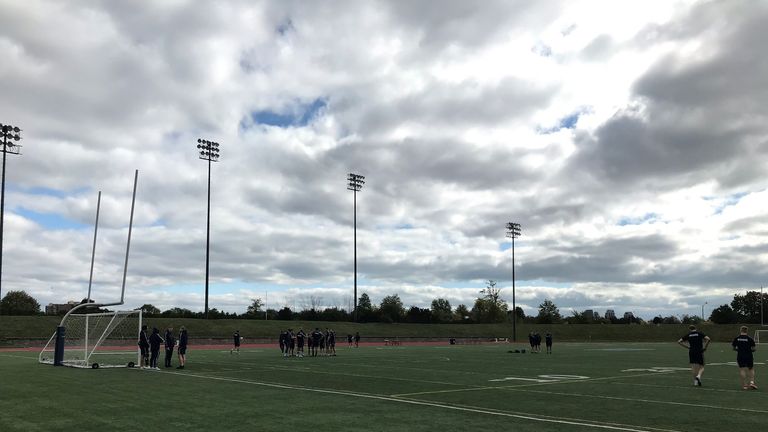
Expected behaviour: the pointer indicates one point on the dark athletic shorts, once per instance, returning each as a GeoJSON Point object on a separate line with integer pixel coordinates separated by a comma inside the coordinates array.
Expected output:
{"type": "Point", "coordinates": [745, 361]}
{"type": "Point", "coordinates": [144, 351]}
{"type": "Point", "coordinates": [696, 357]}
{"type": "Point", "coordinates": [182, 350]}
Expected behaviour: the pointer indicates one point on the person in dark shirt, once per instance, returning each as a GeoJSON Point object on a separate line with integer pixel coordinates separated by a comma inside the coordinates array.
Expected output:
{"type": "Point", "coordinates": [170, 343]}
{"type": "Point", "coordinates": [745, 347]}
{"type": "Point", "coordinates": [696, 342]}
{"type": "Point", "coordinates": [357, 339]}
{"type": "Point", "coordinates": [300, 342]}
{"type": "Point", "coordinates": [183, 341]}
{"type": "Point", "coordinates": [316, 336]}
{"type": "Point", "coordinates": [349, 339]}
{"type": "Point", "coordinates": [155, 340]}
{"type": "Point", "coordinates": [236, 338]}
{"type": "Point", "coordinates": [331, 342]}
{"type": "Point", "coordinates": [548, 342]}
{"type": "Point", "coordinates": [144, 346]}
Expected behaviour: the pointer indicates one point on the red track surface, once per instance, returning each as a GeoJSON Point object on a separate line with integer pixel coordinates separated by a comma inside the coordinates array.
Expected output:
{"type": "Point", "coordinates": [226, 347]}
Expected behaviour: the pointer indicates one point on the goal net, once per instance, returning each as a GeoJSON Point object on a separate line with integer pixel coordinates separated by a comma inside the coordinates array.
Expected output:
{"type": "Point", "coordinates": [763, 333]}
{"type": "Point", "coordinates": [106, 339]}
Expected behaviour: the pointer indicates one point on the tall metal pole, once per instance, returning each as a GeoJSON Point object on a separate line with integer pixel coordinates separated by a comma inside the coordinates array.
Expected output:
{"type": "Point", "coordinates": [8, 132]}
{"type": "Point", "coordinates": [355, 241]}
{"type": "Point", "coordinates": [209, 151]}
{"type": "Point", "coordinates": [513, 231]}
{"type": "Point", "coordinates": [208, 240]}
{"type": "Point", "coordinates": [355, 183]}
{"type": "Point", "coordinates": [93, 250]}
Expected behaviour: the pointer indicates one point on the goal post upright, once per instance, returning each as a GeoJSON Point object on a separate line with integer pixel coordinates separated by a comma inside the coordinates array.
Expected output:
{"type": "Point", "coordinates": [59, 337]}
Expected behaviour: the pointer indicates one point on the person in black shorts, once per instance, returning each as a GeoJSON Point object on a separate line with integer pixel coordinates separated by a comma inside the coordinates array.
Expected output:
{"type": "Point", "coordinates": [154, 348]}
{"type": "Point", "coordinates": [316, 336]}
{"type": "Point", "coordinates": [357, 339]}
{"type": "Point", "coordinates": [236, 338]}
{"type": "Point", "coordinates": [300, 336]}
{"type": "Point", "coordinates": [183, 341]}
{"type": "Point", "coordinates": [696, 342]}
{"type": "Point", "coordinates": [170, 343]}
{"type": "Point", "coordinates": [744, 347]}
{"type": "Point", "coordinates": [144, 346]}
{"type": "Point", "coordinates": [548, 342]}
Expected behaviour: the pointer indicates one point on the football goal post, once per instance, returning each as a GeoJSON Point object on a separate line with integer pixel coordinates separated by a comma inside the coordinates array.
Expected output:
{"type": "Point", "coordinates": [95, 340]}
{"type": "Point", "coordinates": [764, 334]}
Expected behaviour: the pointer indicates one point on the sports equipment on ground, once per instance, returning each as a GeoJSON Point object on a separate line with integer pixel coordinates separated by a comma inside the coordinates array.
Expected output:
{"type": "Point", "coordinates": [105, 339]}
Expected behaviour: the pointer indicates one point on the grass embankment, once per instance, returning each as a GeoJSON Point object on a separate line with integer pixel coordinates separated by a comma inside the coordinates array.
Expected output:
{"type": "Point", "coordinates": [22, 329]}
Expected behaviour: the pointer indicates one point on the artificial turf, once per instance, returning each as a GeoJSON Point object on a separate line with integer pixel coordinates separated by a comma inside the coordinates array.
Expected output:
{"type": "Point", "coordinates": [581, 386]}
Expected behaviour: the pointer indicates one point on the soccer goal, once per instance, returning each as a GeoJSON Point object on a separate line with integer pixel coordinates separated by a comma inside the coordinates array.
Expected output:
{"type": "Point", "coordinates": [759, 333]}
{"type": "Point", "coordinates": [106, 339]}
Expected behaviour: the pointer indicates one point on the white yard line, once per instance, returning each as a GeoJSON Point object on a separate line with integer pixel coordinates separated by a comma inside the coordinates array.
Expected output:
{"type": "Point", "coordinates": [574, 422]}
{"type": "Point", "coordinates": [651, 401]}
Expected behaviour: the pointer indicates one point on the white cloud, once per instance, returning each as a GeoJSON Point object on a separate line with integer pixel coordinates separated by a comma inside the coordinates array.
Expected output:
{"type": "Point", "coordinates": [648, 199]}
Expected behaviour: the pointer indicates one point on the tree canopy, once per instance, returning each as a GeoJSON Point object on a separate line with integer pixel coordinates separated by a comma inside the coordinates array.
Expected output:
{"type": "Point", "coordinates": [19, 303]}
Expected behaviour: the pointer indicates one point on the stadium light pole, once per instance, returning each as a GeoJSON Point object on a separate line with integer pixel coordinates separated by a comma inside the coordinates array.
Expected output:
{"type": "Point", "coordinates": [702, 311]}
{"type": "Point", "coordinates": [355, 183]}
{"type": "Point", "coordinates": [513, 232]}
{"type": "Point", "coordinates": [11, 135]}
{"type": "Point", "coordinates": [209, 151]}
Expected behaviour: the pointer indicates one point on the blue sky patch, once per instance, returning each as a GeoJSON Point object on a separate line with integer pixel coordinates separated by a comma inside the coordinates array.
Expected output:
{"type": "Point", "coordinates": [51, 220]}
{"type": "Point", "coordinates": [648, 217]}
{"type": "Point", "coordinates": [302, 115]}
{"type": "Point", "coordinates": [729, 201]}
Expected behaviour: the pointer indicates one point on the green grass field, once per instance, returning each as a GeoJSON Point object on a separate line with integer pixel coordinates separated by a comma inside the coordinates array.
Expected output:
{"type": "Point", "coordinates": [581, 387]}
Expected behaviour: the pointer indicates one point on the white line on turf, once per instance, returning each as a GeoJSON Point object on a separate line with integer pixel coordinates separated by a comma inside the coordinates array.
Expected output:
{"type": "Point", "coordinates": [575, 422]}
{"type": "Point", "coordinates": [652, 401]}
{"type": "Point", "coordinates": [523, 385]}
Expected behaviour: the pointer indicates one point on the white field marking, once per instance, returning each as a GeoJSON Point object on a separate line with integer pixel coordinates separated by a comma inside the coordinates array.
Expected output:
{"type": "Point", "coordinates": [660, 369]}
{"type": "Point", "coordinates": [519, 385]}
{"type": "Point", "coordinates": [576, 422]}
{"type": "Point", "coordinates": [651, 401]}
{"type": "Point", "coordinates": [521, 379]}
{"type": "Point", "coordinates": [313, 371]}
{"type": "Point", "coordinates": [678, 387]}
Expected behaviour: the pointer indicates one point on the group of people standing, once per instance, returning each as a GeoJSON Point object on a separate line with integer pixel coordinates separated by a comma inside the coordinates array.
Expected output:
{"type": "Point", "coordinates": [150, 347]}
{"type": "Point", "coordinates": [697, 342]}
{"type": "Point", "coordinates": [534, 339]}
{"type": "Point", "coordinates": [318, 342]}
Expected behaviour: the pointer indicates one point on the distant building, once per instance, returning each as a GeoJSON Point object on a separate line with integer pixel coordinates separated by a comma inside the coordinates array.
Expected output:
{"type": "Point", "coordinates": [60, 309]}
{"type": "Point", "coordinates": [588, 314]}
{"type": "Point", "coordinates": [597, 316]}
{"type": "Point", "coordinates": [610, 314]}
{"type": "Point", "coordinates": [629, 316]}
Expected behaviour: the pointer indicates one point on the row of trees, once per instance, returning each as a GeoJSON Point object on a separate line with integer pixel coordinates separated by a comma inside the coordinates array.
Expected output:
{"type": "Point", "coordinates": [488, 307]}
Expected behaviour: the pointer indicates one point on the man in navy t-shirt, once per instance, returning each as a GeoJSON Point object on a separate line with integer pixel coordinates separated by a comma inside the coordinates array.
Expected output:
{"type": "Point", "coordinates": [696, 342]}
{"type": "Point", "coordinates": [744, 347]}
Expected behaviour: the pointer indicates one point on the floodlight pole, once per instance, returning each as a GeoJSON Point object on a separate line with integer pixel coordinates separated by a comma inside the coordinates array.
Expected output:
{"type": "Point", "coordinates": [513, 232]}
{"type": "Point", "coordinates": [209, 151]}
{"type": "Point", "coordinates": [9, 133]}
{"type": "Point", "coordinates": [355, 183]}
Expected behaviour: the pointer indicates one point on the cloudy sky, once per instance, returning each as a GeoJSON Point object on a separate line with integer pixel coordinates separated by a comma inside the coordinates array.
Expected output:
{"type": "Point", "coordinates": [629, 139]}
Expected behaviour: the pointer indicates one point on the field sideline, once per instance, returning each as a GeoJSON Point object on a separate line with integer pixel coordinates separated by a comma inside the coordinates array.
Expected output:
{"type": "Point", "coordinates": [581, 387]}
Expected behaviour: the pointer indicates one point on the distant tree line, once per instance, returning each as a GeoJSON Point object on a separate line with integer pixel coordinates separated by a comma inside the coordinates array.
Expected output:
{"type": "Point", "coordinates": [488, 307]}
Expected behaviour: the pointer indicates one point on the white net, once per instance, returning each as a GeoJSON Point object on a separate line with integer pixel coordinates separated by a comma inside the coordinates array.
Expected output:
{"type": "Point", "coordinates": [763, 333]}
{"type": "Point", "coordinates": [97, 340]}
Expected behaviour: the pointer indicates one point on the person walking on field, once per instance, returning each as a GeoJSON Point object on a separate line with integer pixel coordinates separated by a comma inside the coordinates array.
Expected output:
{"type": "Point", "coordinates": [548, 342]}
{"type": "Point", "coordinates": [745, 347]}
{"type": "Point", "coordinates": [183, 341]}
{"type": "Point", "coordinates": [236, 338]}
{"type": "Point", "coordinates": [170, 343]}
{"type": "Point", "coordinates": [696, 342]}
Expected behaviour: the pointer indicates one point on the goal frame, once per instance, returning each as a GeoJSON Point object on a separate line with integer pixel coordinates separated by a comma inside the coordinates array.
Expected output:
{"type": "Point", "coordinates": [87, 346]}
{"type": "Point", "coordinates": [757, 336]}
